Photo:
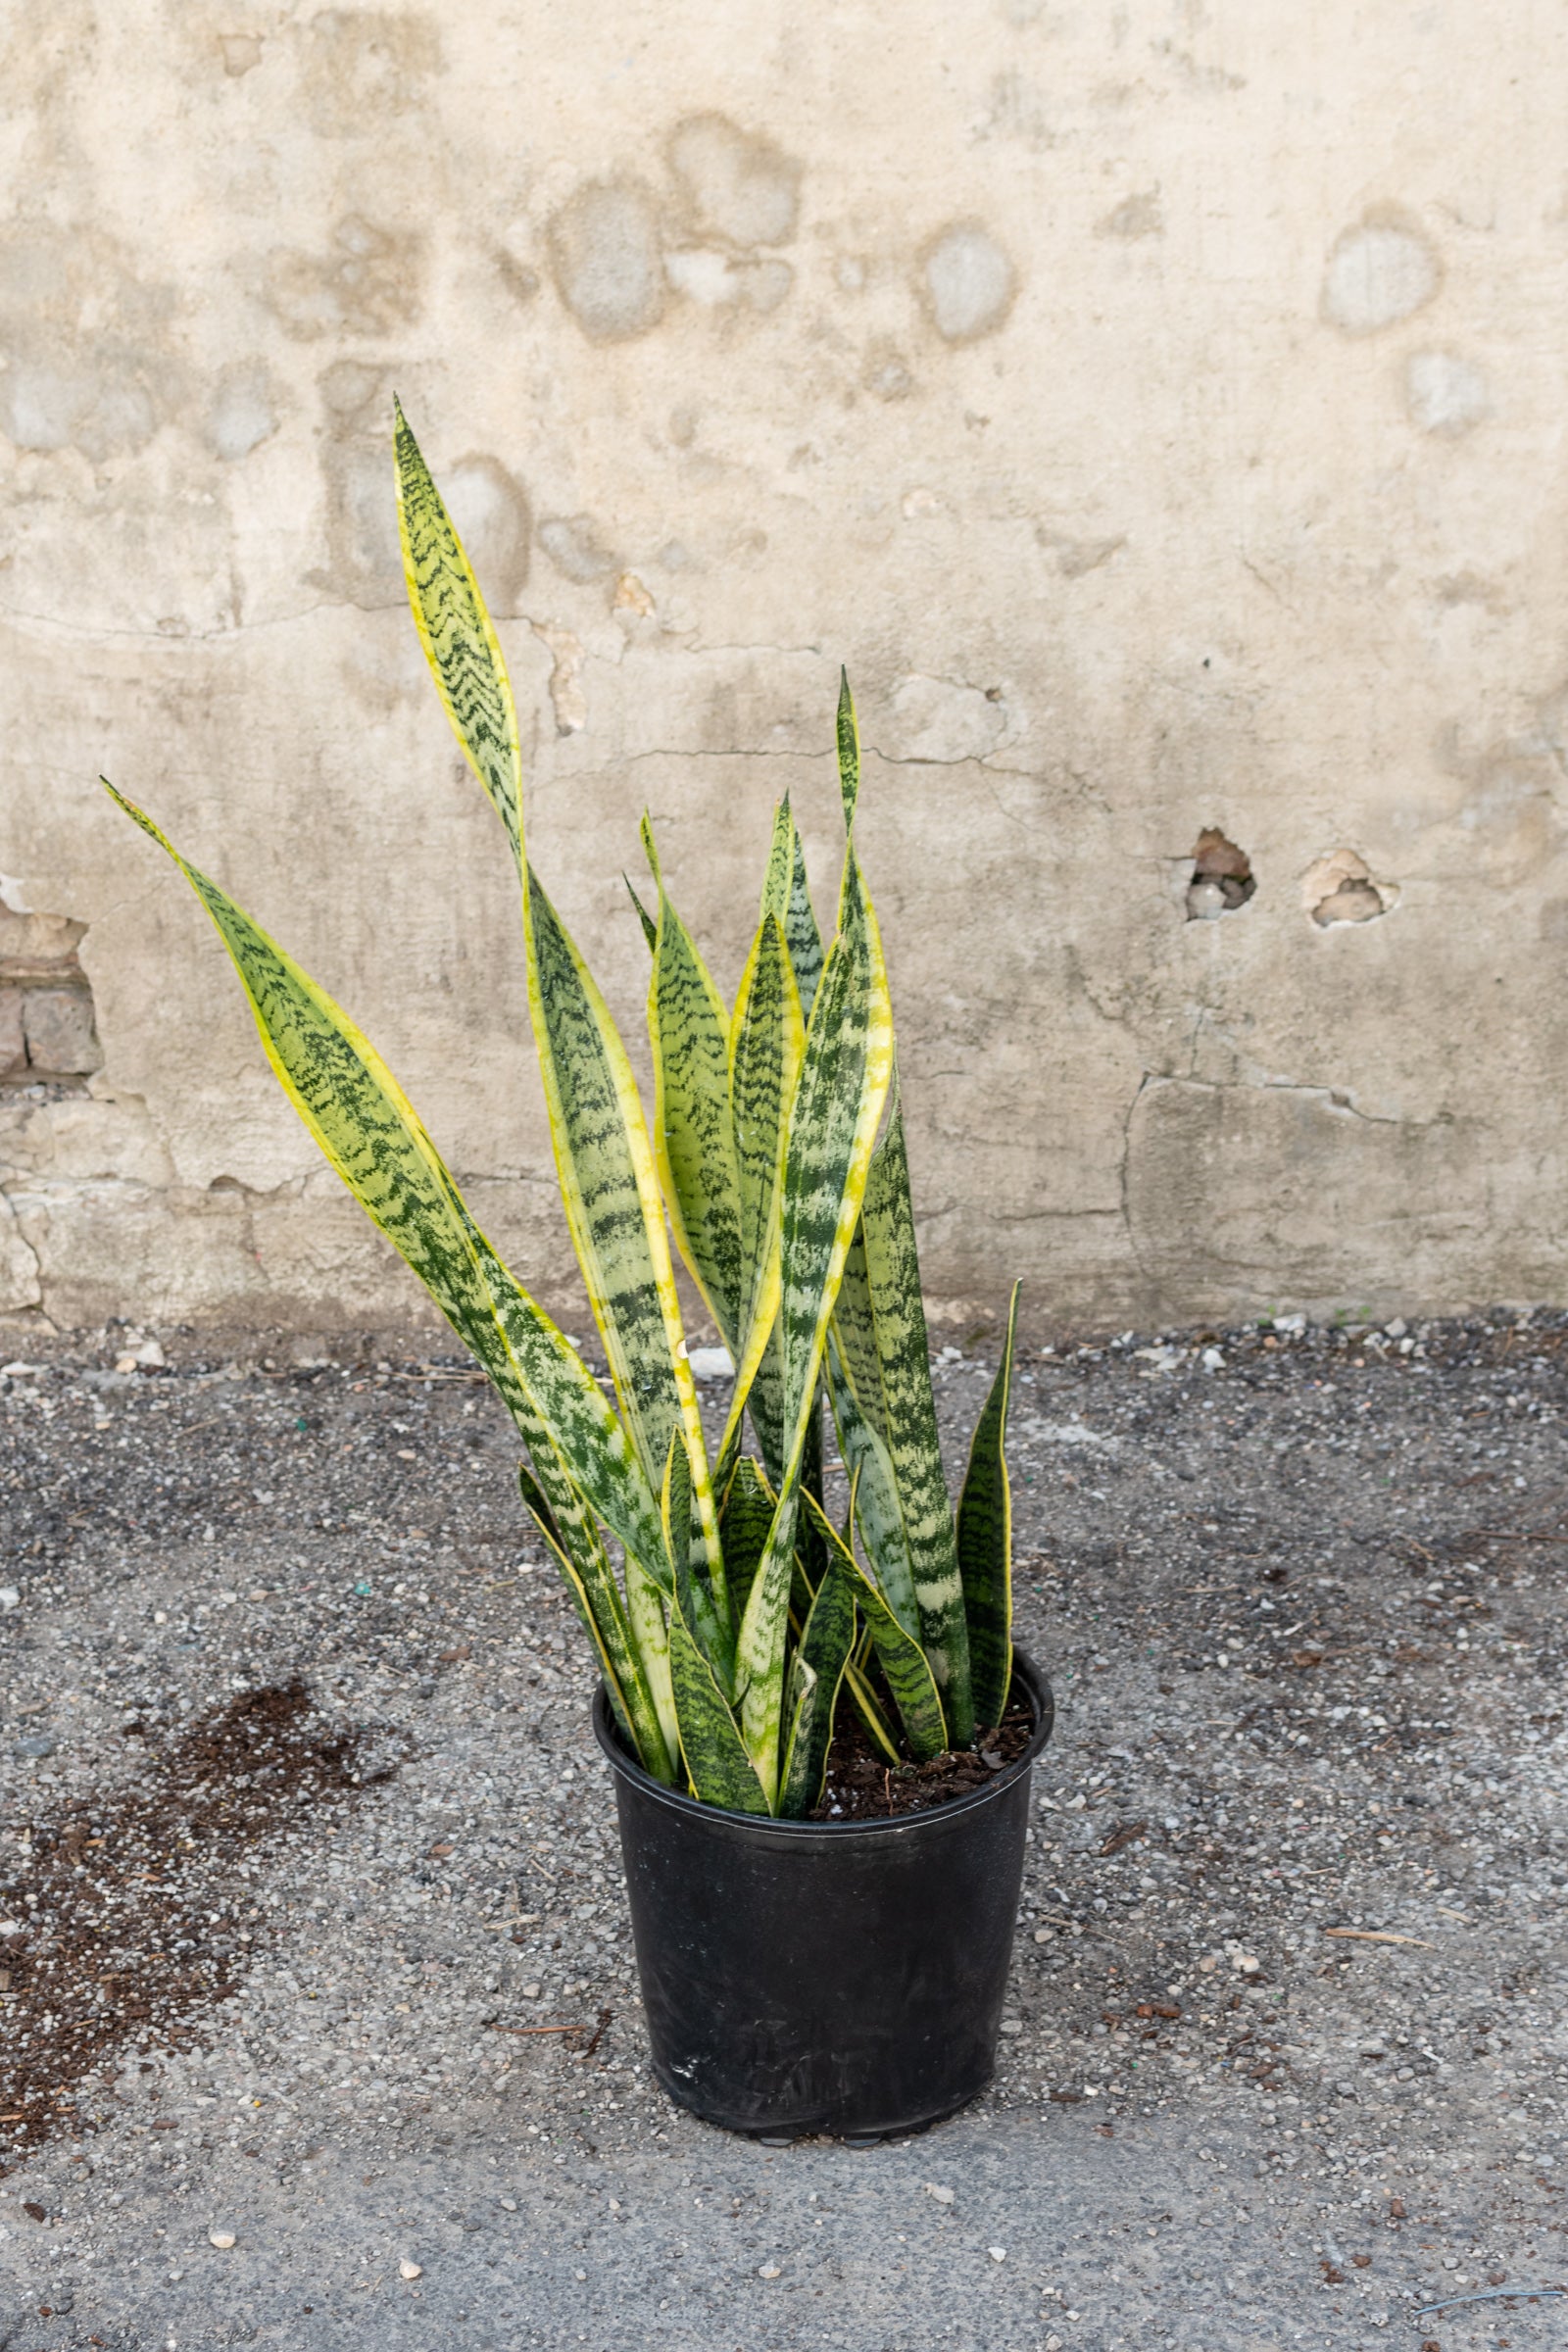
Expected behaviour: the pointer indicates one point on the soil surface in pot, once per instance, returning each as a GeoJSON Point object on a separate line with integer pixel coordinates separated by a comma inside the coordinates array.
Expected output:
{"type": "Point", "coordinates": [862, 1785]}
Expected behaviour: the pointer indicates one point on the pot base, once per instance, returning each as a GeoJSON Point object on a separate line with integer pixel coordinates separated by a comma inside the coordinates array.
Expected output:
{"type": "Point", "coordinates": [844, 1977]}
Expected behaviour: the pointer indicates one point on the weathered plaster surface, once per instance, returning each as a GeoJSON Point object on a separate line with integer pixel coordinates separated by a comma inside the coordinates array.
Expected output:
{"type": "Point", "coordinates": [1159, 409]}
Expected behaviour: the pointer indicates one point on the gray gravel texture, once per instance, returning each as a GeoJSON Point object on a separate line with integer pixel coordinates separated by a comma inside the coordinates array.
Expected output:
{"type": "Point", "coordinates": [1300, 1597]}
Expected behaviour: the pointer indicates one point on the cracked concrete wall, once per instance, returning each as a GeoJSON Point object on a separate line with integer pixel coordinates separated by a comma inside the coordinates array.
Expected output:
{"type": "Point", "coordinates": [1158, 407]}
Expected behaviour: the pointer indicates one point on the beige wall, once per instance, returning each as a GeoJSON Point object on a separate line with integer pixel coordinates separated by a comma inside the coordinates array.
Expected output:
{"type": "Point", "coordinates": [1158, 407]}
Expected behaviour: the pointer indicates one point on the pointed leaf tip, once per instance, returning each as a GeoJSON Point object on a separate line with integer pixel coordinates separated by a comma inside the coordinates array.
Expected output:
{"type": "Point", "coordinates": [849, 749]}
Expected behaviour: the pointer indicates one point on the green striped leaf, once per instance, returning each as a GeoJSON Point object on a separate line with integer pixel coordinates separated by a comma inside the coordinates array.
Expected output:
{"type": "Point", "coordinates": [648, 1614]}
{"type": "Point", "coordinates": [844, 1072]}
{"type": "Point", "coordinates": [816, 1669]}
{"type": "Point", "coordinates": [694, 1138]}
{"type": "Point", "coordinates": [459, 639]}
{"type": "Point", "coordinates": [866, 1457]}
{"type": "Point", "coordinates": [716, 1762]}
{"type": "Point", "coordinates": [910, 1417]}
{"type": "Point", "coordinates": [984, 1543]}
{"type": "Point", "coordinates": [766, 1042]}
{"type": "Point", "coordinates": [688, 1559]}
{"type": "Point", "coordinates": [650, 927]}
{"type": "Point", "coordinates": [372, 1138]}
{"type": "Point", "coordinates": [787, 894]}
{"type": "Point", "coordinates": [586, 1567]}
{"type": "Point", "coordinates": [605, 1165]}
{"type": "Point", "coordinates": [902, 1662]}
{"type": "Point", "coordinates": [743, 1526]}
{"type": "Point", "coordinates": [848, 745]}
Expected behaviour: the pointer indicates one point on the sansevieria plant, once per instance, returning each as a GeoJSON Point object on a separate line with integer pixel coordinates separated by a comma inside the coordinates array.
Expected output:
{"type": "Point", "coordinates": [777, 1159]}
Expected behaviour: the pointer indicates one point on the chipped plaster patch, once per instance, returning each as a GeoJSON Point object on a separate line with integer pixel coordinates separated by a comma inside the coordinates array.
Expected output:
{"type": "Point", "coordinates": [567, 696]}
{"type": "Point", "coordinates": [1339, 888]}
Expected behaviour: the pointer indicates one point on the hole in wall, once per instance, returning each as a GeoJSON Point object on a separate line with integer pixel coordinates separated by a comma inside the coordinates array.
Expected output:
{"type": "Point", "coordinates": [1222, 877]}
{"type": "Point", "coordinates": [48, 1033]}
{"type": "Point", "coordinates": [1339, 888]}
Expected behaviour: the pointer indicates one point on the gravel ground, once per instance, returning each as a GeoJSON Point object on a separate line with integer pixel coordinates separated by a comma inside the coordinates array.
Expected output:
{"type": "Point", "coordinates": [1285, 2059]}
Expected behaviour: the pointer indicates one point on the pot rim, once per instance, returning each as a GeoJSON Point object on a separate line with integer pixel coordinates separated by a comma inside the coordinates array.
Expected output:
{"type": "Point", "coordinates": [1035, 1682]}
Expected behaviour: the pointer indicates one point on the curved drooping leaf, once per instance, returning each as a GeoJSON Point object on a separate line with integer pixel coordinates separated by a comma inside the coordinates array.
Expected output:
{"type": "Point", "coordinates": [984, 1543]}
{"type": "Point", "coordinates": [372, 1137]}
{"type": "Point", "coordinates": [902, 1662]}
{"type": "Point", "coordinates": [844, 1072]}
{"type": "Point", "coordinates": [816, 1669]}
{"type": "Point", "coordinates": [591, 1579]}
{"type": "Point", "coordinates": [694, 1136]}
{"type": "Point", "coordinates": [458, 638]}
{"type": "Point", "coordinates": [717, 1761]}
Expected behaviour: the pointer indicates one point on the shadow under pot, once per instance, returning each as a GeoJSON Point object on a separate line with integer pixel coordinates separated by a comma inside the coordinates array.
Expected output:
{"type": "Point", "coordinates": [818, 1975]}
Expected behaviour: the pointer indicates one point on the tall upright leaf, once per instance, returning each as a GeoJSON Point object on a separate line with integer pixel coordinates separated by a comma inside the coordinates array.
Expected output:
{"type": "Point", "coordinates": [984, 1543]}
{"type": "Point", "coordinates": [816, 1670]}
{"type": "Point", "coordinates": [902, 1662]}
{"type": "Point", "coordinates": [766, 1042]}
{"type": "Point", "coordinates": [605, 1166]}
{"type": "Point", "coordinates": [787, 894]}
{"type": "Point", "coordinates": [849, 748]}
{"type": "Point", "coordinates": [717, 1761]}
{"type": "Point", "coordinates": [694, 1133]}
{"type": "Point", "coordinates": [843, 1086]}
{"type": "Point", "coordinates": [689, 1564]}
{"type": "Point", "coordinates": [892, 1274]}
{"type": "Point", "coordinates": [603, 1158]}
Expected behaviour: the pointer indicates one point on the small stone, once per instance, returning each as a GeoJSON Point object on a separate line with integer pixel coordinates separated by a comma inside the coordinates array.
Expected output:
{"type": "Point", "coordinates": [1012, 2025]}
{"type": "Point", "coordinates": [943, 2196]}
{"type": "Point", "coordinates": [10, 1598]}
{"type": "Point", "coordinates": [769, 2269]}
{"type": "Point", "coordinates": [223, 2239]}
{"type": "Point", "coordinates": [530, 1993]}
{"type": "Point", "coordinates": [711, 1363]}
{"type": "Point", "coordinates": [35, 1748]}
{"type": "Point", "coordinates": [411, 2269]}
{"type": "Point", "coordinates": [997, 2253]}
{"type": "Point", "coordinates": [1044, 1934]}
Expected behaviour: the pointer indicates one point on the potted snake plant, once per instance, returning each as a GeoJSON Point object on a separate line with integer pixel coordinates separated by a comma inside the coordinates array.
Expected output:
{"type": "Point", "coordinates": [806, 1964]}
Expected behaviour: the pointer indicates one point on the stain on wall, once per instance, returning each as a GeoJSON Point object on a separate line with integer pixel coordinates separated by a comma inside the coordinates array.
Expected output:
{"type": "Point", "coordinates": [89, 360]}
{"type": "Point", "coordinates": [966, 281]}
{"type": "Point", "coordinates": [1444, 392]}
{"type": "Point", "coordinates": [365, 281]}
{"type": "Point", "coordinates": [1381, 271]}
{"type": "Point", "coordinates": [734, 185]}
{"type": "Point", "coordinates": [605, 255]}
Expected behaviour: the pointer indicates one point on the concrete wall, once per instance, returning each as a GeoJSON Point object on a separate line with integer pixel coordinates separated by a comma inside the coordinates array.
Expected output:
{"type": "Point", "coordinates": [1157, 406]}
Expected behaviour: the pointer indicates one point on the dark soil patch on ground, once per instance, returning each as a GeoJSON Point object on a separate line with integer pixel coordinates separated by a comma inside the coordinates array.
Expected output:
{"type": "Point", "coordinates": [131, 1912]}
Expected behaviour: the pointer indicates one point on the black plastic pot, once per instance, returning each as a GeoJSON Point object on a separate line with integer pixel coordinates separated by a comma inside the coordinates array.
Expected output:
{"type": "Point", "coordinates": [811, 1975]}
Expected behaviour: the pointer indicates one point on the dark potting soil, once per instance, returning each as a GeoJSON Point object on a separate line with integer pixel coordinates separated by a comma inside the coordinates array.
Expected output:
{"type": "Point", "coordinates": [862, 1785]}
